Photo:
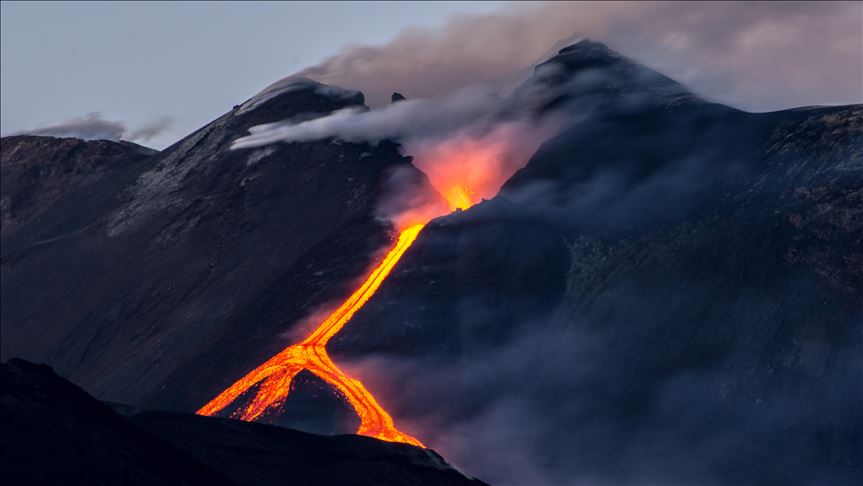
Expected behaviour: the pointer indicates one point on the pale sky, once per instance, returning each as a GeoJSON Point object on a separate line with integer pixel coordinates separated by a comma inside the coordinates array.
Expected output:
{"type": "Point", "coordinates": [137, 62]}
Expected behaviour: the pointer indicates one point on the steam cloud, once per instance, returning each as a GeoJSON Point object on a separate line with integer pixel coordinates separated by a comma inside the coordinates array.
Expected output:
{"type": "Point", "coordinates": [757, 56]}
{"type": "Point", "coordinates": [93, 126]}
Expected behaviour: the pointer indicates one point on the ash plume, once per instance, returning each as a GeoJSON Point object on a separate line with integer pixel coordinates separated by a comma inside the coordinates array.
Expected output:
{"type": "Point", "coordinates": [757, 56]}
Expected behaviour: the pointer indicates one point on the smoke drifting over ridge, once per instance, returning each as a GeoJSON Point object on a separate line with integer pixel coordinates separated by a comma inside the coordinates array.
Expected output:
{"type": "Point", "coordinates": [407, 119]}
{"type": "Point", "coordinates": [93, 126]}
{"type": "Point", "coordinates": [757, 56]}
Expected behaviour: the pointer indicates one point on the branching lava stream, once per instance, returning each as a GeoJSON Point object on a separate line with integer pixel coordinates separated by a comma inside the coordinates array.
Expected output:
{"type": "Point", "coordinates": [310, 354]}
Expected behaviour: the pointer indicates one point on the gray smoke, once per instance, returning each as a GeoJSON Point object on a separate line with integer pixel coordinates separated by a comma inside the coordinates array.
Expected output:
{"type": "Point", "coordinates": [149, 130]}
{"type": "Point", "coordinates": [757, 56]}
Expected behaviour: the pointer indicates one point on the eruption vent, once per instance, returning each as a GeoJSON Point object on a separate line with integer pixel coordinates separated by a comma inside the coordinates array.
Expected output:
{"type": "Point", "coordinates": [466, 167]}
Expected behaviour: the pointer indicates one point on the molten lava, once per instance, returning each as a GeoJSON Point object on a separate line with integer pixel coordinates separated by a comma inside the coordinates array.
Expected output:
{"type": "Point", "coordinates": [459, 196]}
{"type": "Point", "coordinates": [275, 375]}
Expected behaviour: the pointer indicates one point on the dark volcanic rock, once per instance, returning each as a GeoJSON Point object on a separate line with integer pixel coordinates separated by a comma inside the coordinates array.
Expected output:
{"type": "Point", "coordinates": [314, 406]}
{"type": "Point", "coordinates": [54, 433]}
{"type": "Point", "coordinates": [36, 172]}
{"type": "Point", "coordinates": [274, 455]}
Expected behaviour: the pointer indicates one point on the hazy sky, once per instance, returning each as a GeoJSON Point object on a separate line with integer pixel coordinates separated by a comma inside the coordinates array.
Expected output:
{"type": "Point", "coordinates": [139, 64]}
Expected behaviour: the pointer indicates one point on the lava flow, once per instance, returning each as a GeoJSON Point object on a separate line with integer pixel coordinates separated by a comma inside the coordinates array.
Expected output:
{"type": "Point", "coordinates": [275, 375]}
{"type": "Point", "coordinates": [465, 170]}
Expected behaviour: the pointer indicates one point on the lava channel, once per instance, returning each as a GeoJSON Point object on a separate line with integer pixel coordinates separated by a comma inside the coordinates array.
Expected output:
{"type": "Point", "coordinates": [275, 375]}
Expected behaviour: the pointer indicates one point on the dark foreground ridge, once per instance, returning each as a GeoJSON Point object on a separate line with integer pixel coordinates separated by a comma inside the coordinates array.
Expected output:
{"type": "Point", "coordinates": [54, 433]}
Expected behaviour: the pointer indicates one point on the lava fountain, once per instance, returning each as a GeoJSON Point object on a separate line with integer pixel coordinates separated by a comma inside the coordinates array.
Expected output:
{"type": "Point", "coordinates": [463, 169]}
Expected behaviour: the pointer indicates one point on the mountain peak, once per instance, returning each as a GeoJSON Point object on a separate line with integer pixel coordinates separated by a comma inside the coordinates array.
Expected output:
{"type": "Point", "coordinates": [586, 54]}
{"type": "Point", "coordinates": [586, 70]}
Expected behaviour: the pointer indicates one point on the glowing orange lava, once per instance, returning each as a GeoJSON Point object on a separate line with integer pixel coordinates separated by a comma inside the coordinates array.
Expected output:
{"type": "Point", "coordinates": [275, 375]}
{"type": "Point", "coordinates": [467, 167]}
{"type": "Point", "coordinates": [459, 196]}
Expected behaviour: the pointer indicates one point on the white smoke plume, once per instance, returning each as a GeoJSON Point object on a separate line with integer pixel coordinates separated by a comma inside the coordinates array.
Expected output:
{"type": "Point", "coordinates": [408, 119]}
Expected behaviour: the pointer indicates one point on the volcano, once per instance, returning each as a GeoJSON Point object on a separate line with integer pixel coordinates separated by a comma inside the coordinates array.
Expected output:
{"type": "Point", "coordinates": [667, 291]}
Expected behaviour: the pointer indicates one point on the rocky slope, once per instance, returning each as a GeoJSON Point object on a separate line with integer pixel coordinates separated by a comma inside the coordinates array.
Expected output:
{"type": "Point", "coordinates": [53, 432]}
